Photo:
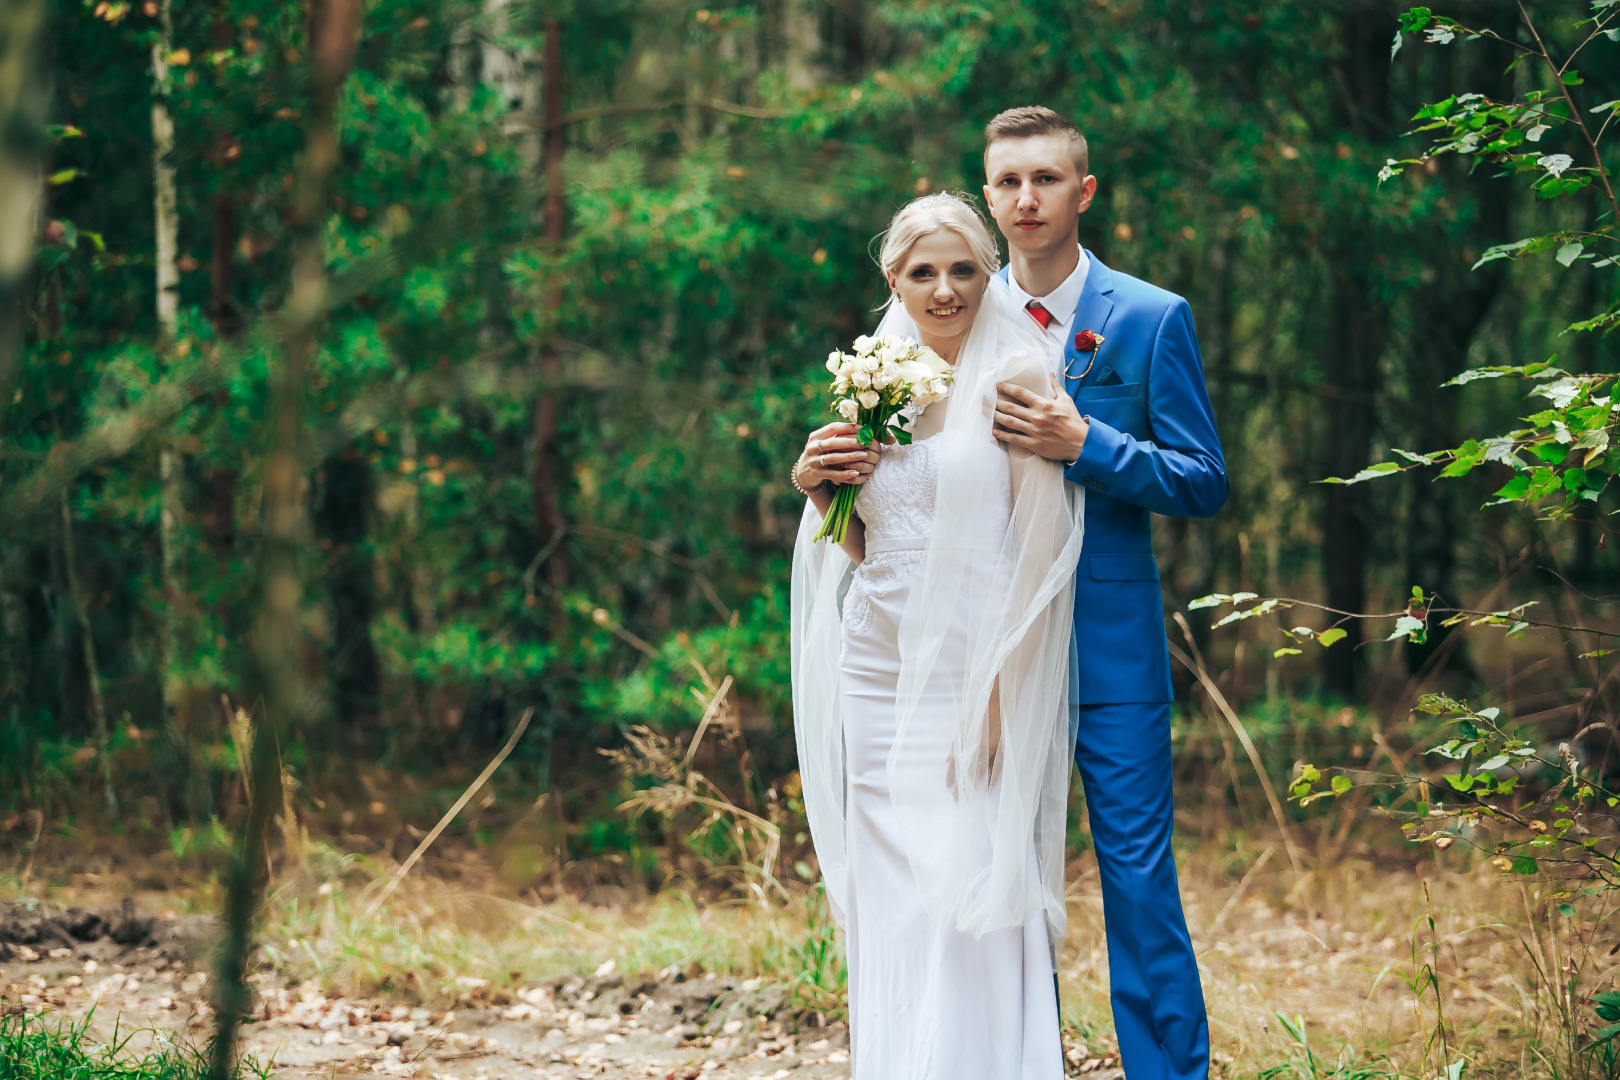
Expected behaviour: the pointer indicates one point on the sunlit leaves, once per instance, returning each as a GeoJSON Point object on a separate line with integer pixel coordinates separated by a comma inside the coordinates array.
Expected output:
{"type": "Point", "coordinates": [1371, 472]}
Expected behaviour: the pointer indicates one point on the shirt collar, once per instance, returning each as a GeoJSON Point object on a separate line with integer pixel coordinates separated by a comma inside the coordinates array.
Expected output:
{"type": "Point", "coordinates": [1061, 301]}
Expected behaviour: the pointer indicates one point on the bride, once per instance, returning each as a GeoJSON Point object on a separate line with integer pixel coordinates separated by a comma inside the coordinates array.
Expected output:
{"type": "Point", "coordinates": [930, 687]}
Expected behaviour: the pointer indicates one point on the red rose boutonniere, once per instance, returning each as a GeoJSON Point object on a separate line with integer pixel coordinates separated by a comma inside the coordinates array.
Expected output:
{"type": "Point", "coordinates": [1088, 341]}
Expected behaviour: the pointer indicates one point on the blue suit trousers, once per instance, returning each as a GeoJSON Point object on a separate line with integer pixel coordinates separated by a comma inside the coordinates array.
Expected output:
{"type": "Point", "coordinates": [1123, 751]}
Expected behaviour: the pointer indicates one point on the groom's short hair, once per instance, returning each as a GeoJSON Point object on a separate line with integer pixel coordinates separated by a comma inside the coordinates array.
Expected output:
{"type": "Point", "coordinates": [1029, 121]}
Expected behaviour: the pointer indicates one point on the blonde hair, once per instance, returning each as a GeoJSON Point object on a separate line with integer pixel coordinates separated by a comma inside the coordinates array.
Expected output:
{"type": "Point", "coordinates": [930, 214]}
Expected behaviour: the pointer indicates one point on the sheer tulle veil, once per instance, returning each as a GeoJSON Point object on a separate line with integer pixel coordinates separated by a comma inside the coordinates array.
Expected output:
{"type": "Point", "coordinates": [981, 806]}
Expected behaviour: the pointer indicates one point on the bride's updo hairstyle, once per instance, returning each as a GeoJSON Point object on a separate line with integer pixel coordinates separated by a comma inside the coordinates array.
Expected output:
{"type": "Point", "coordinates": [928, 215]}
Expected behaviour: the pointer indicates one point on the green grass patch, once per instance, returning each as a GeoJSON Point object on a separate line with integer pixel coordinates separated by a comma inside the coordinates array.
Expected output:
{"type": "Point", "coordinates": [34, 1048]}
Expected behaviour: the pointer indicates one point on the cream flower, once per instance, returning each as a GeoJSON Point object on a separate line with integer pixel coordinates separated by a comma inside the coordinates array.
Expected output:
{"type": "Point", "coordinates": [935, 362]}
{"type": "Point", "coordinates": [835, 360]}
{"type": "Point", "coordinates": [848, 409]}
{"type": "Point", "coordinates": [861, 378]}
{"type": "Point", "coordinates": [869, 398]}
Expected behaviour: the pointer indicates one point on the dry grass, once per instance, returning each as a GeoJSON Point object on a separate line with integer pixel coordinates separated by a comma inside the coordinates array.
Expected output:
{"type": "Point", "coordinates": [1340, 949]}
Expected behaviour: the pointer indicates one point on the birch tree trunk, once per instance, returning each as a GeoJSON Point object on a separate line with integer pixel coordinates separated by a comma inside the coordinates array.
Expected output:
{"type": "Point", "coordinates": [166, 227]}
{"type": "Point", "coordinates": [21, 114]}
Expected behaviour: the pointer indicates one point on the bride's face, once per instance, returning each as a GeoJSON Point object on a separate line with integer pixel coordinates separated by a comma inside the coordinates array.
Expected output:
{"type": "Point", "coordinates": [941, 285]}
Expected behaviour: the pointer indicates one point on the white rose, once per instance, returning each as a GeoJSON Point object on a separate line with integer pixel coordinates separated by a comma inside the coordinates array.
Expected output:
{"type": "Point", "coordinates": [869, 399]}
{"type": "Point", "coordinates": [914, 372]}
{"type": "Point", "coordinates": [848, 409]}
{"type": "Point", "coordinates": [864, 342]}
{"type": "Point", "coordinates": [840, 385]}
{"type": "Point", "coordinates": [846, 368]}
{"type": "Point", "coordinates": [933, 360]}
{"type": "Point", "coordinates": [868, 363]}
{"type": "Point", "coordinates": [862, 379]}
{"type": "Point", "coordinates": [835, 360]}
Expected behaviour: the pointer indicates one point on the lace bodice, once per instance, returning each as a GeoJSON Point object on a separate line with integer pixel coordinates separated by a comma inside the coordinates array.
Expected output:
{"type": "Point", "coordinates": [897, 508]}
{"type": "Point", "coordinates": [898, 502]}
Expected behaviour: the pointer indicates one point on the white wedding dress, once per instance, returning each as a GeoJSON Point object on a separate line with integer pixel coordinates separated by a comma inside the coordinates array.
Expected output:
{"type": "Point", "coordinates": [926, 1001]}
{"type": "Point", "coordinates": [930, 707]}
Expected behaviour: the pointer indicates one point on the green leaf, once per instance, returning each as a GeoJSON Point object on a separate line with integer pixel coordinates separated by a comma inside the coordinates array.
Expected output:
{"type": "Point", "coordinates": [1329, 636]}
{"type": "Point", "coordinates": [1523, 864]}
{"type": "Point", "coordinates": [62, 176]}
{"type": "Point", "coordinates": [1461, 783]}
{"type": "Point", "coordinates": [1310, 773]}
{"type": "Point", "coordinates": [1342, 784]}
{"type": "Point", "coordinates": [1416, 19]}
{"type": "Point", "coordinates": [865, 435]}
{"type": "Point", "coordinates": [1506, 785]}
{"type": "Point", "coordinates": [1567, 911]}
{"type": "Point", "coordinates": [1569, 253]}
{"type": "Point", "coordinates": [1467, 730]}
{"type": "Point", "coordinates": [1212, 600]}
{"type": "Point", "coordinates": [1371, 472]}
{"type": "Point", "coordinates": [1495, 762]}
{"type": "Point", "coordinates": [902, 436]}
{"type": "Point", "coordinates": [1572, 78]}
{"type": "Point", "coordinates": [1414, 630]}
{"type": "Point", "coordinates": [1515, 488]}
{"type": "Point", "coordinates": [1280, 653]}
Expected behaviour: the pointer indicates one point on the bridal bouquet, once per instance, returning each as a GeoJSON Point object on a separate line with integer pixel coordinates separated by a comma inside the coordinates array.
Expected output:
{"type": "Point", "coordinates": [884, 380]}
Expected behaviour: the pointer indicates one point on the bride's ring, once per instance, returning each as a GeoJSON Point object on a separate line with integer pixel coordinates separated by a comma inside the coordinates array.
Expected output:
{"type": "Point", "coordinates": [821, 462]}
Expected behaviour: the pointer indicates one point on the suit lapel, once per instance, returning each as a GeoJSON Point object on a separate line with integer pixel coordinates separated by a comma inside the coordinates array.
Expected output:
{"type": "Point", "coordinates": [1091, 313]}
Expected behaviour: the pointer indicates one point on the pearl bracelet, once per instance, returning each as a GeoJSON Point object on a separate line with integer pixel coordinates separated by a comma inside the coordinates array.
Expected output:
{"type": "Point", "coordinates": [793, 478]}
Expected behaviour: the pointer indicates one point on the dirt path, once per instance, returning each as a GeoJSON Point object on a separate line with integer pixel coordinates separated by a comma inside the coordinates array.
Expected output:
{"type": "Point", "coordinates": [603, 1027]}
{"type": "Point", "coordinates": [124, 970]}
{"type": "Point", "coordinates": [128, 970]}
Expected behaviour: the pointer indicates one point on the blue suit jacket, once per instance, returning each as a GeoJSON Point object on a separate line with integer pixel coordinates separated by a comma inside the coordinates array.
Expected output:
{"type": "Point", "coordinates": [1152, 449]}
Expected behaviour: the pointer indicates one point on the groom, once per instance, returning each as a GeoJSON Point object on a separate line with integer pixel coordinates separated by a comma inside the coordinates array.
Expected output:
{"type": "Point", "coordinates": [1133, 427]}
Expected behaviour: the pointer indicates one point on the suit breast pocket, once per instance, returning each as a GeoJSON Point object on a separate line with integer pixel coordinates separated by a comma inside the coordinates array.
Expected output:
{"type": "Point", "coordinates": [1088, 394]}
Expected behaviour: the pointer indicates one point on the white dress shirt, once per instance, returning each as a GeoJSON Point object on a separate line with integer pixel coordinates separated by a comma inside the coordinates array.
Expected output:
{"type": "Point", "coordinates": [1061, 302]}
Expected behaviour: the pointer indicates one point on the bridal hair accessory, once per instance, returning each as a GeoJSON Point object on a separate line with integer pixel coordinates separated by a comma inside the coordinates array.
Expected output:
{"type": "Point", "coordinates": [1087, 341]}
{"type": "Point", "coordinates": [885, 379]}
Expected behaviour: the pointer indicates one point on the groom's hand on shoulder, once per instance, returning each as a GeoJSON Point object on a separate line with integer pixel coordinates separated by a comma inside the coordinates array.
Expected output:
{"type": "Point", "coordinates": [1050, 427]}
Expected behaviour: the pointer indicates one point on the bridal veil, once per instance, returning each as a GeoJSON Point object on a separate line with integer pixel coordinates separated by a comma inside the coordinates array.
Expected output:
{"type": "Point", "coordinates": [979, 768]}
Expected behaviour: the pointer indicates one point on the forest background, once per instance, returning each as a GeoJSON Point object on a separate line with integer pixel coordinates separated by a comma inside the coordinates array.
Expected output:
{"type": "Point", "coordinates": [576, 267]}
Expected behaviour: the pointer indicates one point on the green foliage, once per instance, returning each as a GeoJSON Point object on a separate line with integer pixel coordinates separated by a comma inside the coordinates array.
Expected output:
{"type": "Point", "coordinates": [32, 1047]}
{"type": "Point", "coordinates": [1564, 457]}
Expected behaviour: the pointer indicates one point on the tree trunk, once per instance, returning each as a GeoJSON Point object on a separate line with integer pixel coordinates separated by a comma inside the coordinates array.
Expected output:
{"type": "Point", "coordinates": [341, 520]}
{"type": "Point", "coordinates": [547, 508]}
{"type": "Point", "coordinates": [92, 669]}
{"type": "Point", "coordinates": [172, 513]}
{"type": "Point", "coordinates": [1357, 333]}
{"type": "Point", "coordinates": [22, 108]}
{"type": "Point", "coordinates": [334, 32]}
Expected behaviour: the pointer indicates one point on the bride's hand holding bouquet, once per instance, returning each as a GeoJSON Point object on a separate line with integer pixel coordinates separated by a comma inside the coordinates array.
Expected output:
{"type": "Point", "coordinates": [885, 383]}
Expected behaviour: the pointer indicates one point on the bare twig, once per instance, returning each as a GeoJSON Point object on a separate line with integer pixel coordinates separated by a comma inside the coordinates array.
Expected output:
{"type": "Point", "coordinates": [1215, 695]}
{"type": "Point", "coordinates": [466, 796]}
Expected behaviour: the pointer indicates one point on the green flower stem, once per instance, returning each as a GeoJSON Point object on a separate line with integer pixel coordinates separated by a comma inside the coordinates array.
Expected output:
{"type": "Point", "coordinates": [836, 523]}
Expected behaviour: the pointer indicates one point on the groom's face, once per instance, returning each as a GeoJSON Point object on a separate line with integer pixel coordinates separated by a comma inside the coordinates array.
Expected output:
{"type": "Point", "coordinates": [1035, 191]}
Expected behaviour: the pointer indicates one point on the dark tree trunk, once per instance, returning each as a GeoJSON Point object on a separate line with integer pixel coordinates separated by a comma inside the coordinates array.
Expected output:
{"type": "Point", "coordinates": [1357, 332]}
{"type": "Point", "coordinates": [547, 507]}
{"type": "Point", "coordinates": [340, 522]}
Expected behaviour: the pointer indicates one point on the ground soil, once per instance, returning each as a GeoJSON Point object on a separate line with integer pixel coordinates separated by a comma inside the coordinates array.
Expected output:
{"type": "Point", "coordinates": [137, 970]}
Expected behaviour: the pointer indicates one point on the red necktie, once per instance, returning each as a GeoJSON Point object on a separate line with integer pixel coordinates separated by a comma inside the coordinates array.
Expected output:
{"type": "Point", "coordinates": [1038, 313]}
